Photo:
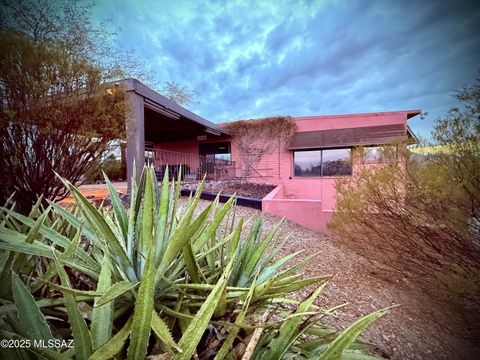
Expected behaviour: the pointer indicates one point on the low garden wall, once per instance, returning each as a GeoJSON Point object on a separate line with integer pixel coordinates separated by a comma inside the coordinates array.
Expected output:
{"type": "Point", "coordinates": [306, 212]}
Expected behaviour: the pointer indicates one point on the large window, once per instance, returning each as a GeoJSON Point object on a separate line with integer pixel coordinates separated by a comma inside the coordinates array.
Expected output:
{"type": "Point", "coordinates": [336, 162]}
{"type": "Point", "coordinates": [308, 163]}
{"type": "Point", "coordinates": [328, 162]}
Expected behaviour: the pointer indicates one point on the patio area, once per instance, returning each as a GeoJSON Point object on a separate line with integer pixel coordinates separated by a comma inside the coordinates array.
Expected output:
{"type": "Point", "coordinates": [191, 167]}
{"type": "Point", "coordinates": [157, 128]}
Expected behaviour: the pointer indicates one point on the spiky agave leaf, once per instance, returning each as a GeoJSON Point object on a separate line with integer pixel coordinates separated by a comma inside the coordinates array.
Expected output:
{"type": "Point", "coordinates": [198, 265]}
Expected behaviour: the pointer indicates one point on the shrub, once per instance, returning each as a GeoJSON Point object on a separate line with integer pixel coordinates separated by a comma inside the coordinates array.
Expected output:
{"type": "Point", "coordinates": [421, 217]}
{"type": "Point", "coordinates": [159, 279]}
{"type": "Point", "coordinates": [112, 167]}
{"type": "Point", "coordinates": [57, 113]}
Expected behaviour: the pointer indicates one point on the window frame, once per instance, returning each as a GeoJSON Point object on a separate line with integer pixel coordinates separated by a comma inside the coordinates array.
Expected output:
{"type": "Point", "coordinates": [213, 151]}
{"type": "Point", "coordinates": [321, 163]}
{"type": "Point", "coordinates": [293, 164]}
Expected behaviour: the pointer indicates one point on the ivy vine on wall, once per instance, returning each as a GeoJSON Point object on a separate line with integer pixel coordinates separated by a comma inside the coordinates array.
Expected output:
{"type": "Point", "coordinates": [258, 137]}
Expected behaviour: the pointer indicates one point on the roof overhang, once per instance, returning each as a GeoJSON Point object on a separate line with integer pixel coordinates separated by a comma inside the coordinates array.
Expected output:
{"type": "Point", "coordinates": [159, 108]}
{"type": "Point", "coordinates": [412, 138]}
{"type": "Point", "coordinates": [412, 113]}
{"type": "Point", "coordinates": [350, 137]}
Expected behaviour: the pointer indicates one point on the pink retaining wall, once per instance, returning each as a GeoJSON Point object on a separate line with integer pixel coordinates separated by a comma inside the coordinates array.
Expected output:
{"type": "Point", "coordinates": [304, 211]}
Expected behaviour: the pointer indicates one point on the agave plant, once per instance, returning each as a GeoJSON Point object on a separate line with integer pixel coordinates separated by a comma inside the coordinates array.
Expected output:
{"type": "Point", "coordinates": [163, 278]}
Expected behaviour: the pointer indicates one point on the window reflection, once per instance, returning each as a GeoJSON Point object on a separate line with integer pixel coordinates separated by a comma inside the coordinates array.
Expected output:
{"type": "Point", "coordinates": [307, 163]}
{"type": "Point", "coordinates": [330, 162]}
{"type": "Point", "coordinates": [337, 162]}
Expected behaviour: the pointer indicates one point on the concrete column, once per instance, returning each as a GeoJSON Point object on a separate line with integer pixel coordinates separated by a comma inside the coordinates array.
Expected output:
{"type": "Point", "coordinates": [135, 123]}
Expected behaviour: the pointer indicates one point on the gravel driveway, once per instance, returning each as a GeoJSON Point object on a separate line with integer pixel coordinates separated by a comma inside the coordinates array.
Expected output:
{"type": "Point", "coordinates": [421, 328]}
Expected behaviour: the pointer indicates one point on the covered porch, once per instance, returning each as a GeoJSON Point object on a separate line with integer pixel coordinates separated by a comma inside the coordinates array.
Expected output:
{"type": "Point", "coordinates": [154, 122]}
{"type": "Point", "coordinates": [191, 167]}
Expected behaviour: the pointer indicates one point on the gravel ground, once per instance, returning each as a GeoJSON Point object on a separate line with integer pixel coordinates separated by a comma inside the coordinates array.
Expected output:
{"type": "Point", "coordinates": [421, 328]}
{"type": "Point", "coordinates": [230, 187]}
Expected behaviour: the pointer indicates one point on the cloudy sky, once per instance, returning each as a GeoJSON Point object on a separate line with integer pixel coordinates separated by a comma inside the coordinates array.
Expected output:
{"type": "Point", "coordinates": [249, 59]}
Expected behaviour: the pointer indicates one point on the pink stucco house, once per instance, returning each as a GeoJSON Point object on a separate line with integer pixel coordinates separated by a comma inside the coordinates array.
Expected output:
{"type": "Point", "coordinates": [322, 149]}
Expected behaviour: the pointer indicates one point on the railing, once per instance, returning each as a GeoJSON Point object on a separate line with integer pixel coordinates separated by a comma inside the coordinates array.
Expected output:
{"type": "Point", "coordinates": [193, 167]}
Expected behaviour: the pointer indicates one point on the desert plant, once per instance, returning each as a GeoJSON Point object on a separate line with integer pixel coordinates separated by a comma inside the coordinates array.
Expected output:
{"type": "Point", "coordinates": [420, 218]}
{"type": "Point", "coordinates": [164, 277]}
{"type": "Point", "coordinates": [111, 166]}
{"type": "Point", "coordinates": [57, 113]}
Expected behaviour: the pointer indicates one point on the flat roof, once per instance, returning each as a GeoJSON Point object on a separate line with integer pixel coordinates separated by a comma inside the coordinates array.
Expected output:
{"type": "Point", "coordinates": [164, 104]}
{"type": "Point", "coordinates": [408, 113]}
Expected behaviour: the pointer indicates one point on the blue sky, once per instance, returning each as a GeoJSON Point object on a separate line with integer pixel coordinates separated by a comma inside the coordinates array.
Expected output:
{"type": "Point", "coordinates": [250, 59]}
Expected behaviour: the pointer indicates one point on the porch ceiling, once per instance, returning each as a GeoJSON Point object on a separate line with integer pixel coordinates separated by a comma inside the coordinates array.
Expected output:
{"type": "Point", "coordinates": [165, 120]}
{"type": "Point", "coordinates": [161, 128]}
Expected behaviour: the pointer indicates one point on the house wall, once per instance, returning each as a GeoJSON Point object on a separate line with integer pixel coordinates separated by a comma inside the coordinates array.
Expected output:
{"type": "Point", "coordinates": [186, 146]}
{"type": "Point", "coordinates": [183, 153]}
{"type": "Point", "coordinates": [307, 201]}
{"type": "Point", "coordinates": [311, 201]}
{"type": "Point", "coordinates": [277, 167]}
{"type": "Point", "coordinates": [313, 123]}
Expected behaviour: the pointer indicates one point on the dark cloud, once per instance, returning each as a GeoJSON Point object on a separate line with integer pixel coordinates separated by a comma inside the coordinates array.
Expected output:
{"type": "Point", "coordinates": [252, 59]}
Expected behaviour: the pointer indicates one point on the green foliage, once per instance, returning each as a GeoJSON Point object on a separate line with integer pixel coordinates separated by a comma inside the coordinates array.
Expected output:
{"type": "Point", "coordinates": [158, 279]}
{"type": "Point", "coordinates": [72, 24]}
{"type": "Point", "coordinates": [347, 337]}
{"type": "Point", "coordinates": [56, 114]}
{"type": "Point", "coordinates": [114, 169]}
{"type": "Point", "coordinates": [29, 314]}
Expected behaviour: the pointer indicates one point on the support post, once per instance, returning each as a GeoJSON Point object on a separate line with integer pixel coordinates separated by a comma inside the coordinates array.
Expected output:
{"type": "Point", "coordinates": [135, 128]}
